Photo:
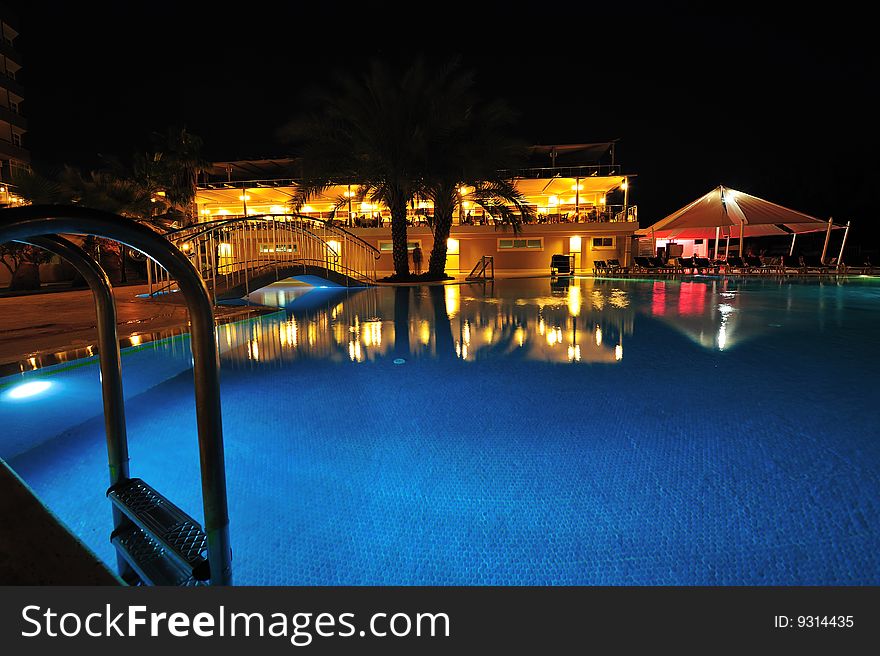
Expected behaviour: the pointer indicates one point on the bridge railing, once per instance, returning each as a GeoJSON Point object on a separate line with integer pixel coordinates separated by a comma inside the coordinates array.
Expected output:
{"type": "Point", "coordinates": [231, 252]}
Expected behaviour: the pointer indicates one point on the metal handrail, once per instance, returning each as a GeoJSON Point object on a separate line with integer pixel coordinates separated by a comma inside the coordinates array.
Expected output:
{"type": "Point", "coordinates": [209, 225]}
{"type": "Point", "coordinates": [479, 272]}
{"type": "Point", "coordinates": [267, 264]}
{"type": "Point", "coordinates": [581, 171]}
{"type": "Point", "coordinates": [238, 266]}
{"type": "Point", "coordinates": [24, 223]}
{"type": "Point", "coordinates": [308, 241]}
{"type": "Point", "coordinates": [110, 362]}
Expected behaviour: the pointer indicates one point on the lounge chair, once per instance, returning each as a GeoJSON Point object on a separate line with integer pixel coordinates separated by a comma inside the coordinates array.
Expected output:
{"type": "Point", "coordinates": [703, 265]}
{"type": "Point", "coordinates": [756, 265]}
{"type": "Point", "coordinates": [686, 263]}
{"type": "Point", "coordinates": [663, 267]}
{"type": "Point", "coordinates": [866, 267]}
{"type": "Point", "coordinates": [599, 267]}
{"type": "Point", "coordinates": [614, 267]}
{"type": "Point", "coordinates": [791, 263]}
{"type": "Point", "coordinates": [735, 263]}
{"type": "Point", "coordinates": [647, 264]}
{"type": "Point", "coordinates": [813, 263]}
{"type": "Point", "coordinates": [561, 264]}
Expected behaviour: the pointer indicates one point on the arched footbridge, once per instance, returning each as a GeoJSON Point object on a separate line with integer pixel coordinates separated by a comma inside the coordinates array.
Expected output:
{"type": "Point", "coordinates": [239, 255]}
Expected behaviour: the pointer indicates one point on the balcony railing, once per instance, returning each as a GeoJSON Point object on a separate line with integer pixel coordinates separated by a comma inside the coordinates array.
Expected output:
{"type": "Point", "coordinates": [590, 171]}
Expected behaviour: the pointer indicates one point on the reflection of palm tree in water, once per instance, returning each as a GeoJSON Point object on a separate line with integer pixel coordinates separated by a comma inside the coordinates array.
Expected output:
{"type": "Point", "coordinates": [401, 322]}
{"type": "Point", "coordinates": [444, 342]}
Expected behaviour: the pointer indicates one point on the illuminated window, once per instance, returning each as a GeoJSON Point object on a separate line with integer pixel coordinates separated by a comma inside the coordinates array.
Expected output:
{"type": "Point", "coordinates": [603, 242]}
{"type": "Point", "coordinates": [388, 246]}
{"type": "Point", "coordinates": [279, 248]}
{"type": "Point", "coordinates": [521, 244]}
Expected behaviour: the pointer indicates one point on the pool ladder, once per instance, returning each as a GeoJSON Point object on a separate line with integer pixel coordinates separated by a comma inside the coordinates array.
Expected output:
{"type": "Point", "coordinates": [483, 270]}
{"type": "Point", "coordinates": [156, 542]}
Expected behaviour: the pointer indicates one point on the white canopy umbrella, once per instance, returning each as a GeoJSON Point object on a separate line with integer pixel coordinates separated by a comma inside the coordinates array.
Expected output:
{"type": "Point", "coordinates": [727, 210]}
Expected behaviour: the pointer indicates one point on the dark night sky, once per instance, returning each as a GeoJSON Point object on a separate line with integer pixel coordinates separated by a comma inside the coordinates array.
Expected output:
{"type": "Point", "coordinates": [780, 109]}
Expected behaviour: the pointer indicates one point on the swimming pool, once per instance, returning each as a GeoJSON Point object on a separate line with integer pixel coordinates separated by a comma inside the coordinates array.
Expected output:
{"type": "Point", "coordinates": [633, 432]}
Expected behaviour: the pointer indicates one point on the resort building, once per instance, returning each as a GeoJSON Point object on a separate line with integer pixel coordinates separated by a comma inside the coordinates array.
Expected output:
{"type": "Point", "coordinates": [580, 196]}
{"type": "Point", "coordinates": [12, 124]}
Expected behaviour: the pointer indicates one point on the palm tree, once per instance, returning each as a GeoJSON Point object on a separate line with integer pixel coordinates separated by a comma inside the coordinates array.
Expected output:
{"type": "Point", "coordinates": [21, 260]}
{"type": "Point", "coordinates": [37, 188]}
{"type": "Point", "coordinates": [112, 191]}
{"type": "Point", "coordinates": [104, 190]}
{"type": "Point", "coordinates": [173, 167]}
{"type": "Point", "coordinates": [467, 145]}
{"type": "Point", "coordinates": [370, 131]}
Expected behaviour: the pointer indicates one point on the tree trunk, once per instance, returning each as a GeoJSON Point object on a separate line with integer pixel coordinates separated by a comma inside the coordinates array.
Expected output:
{"type": "Point", "coordinates": [398, 235]}
{"type": "Point", "coordinates": [444, 207]}
{"type": "Point", "coordinates": [26, 276]}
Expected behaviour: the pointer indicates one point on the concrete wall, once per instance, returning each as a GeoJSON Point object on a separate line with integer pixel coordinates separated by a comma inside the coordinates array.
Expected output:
{"type": "Point", "coordinates": [476, 241]}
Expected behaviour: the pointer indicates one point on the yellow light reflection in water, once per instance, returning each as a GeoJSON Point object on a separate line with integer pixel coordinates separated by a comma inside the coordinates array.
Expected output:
{"type": "Point", "coordinates": [574, 353]}
{"type": "Point", "coordinates": [453, 300]}
{"type": "Point", "coordinates": [598, 336]}
{"type": "Point", "coordinates": [619, 299]}
{"type": "Point", "coordinates": [597, 299]}
{"type": "Point", "coordinates": [371, 332]}
{"type": "Point", "coordinates": [618, 352]}
{"type": "Point", "coordinates": [466, 332]}
{"type": "Point", "coordinates": [287, 333]}
{"type": "Point", "coordinates": [425, 333]}
{"type": "Point", "coordinates": [574, 300]}
{"type": "Point", "coordinates": [354, 351]}
{"type": "Point", "coordinates": [488, 334]}
{"type": "Point", "coordinates": [519, 335]}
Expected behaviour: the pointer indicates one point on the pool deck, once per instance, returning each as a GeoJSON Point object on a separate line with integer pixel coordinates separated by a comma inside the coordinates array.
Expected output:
{"type": "Point", "coordinates": [43, 325]}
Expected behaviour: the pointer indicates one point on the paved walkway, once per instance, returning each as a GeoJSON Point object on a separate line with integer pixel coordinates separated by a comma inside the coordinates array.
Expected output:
{"type": "Point", "coordinates": [43, 324]}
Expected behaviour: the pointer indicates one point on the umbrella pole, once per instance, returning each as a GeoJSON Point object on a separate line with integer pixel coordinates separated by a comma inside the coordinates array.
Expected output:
{"type": "Point", "coordinates": [842, 244]}
{"type": "Point", "coordinates": [726, 247]}
{"type": "Point", "coordinates": [791, 250]}
{"type": "Point", "coordinates": [740, 239]}
{"type": "Point", "coordinates": [827, 239]}
{"type": "Point", "coordinates": [717, 230]}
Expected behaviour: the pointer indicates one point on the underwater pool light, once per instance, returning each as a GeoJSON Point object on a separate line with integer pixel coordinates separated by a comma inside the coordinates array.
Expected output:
{"type": "Point", "coordinates": [25, 390]}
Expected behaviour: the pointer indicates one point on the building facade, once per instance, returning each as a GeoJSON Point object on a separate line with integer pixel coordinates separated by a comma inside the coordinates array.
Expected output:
{"type": "Point", "coordinates": [13, 125]}
{"type": "Point", "coordinates": [582, 209]}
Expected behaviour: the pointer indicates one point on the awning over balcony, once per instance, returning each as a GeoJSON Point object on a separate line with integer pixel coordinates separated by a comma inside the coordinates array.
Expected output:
{"type": "Point", "coordinates": [733, 213]}
{"type": "Point", "coordinates": [569, 154]}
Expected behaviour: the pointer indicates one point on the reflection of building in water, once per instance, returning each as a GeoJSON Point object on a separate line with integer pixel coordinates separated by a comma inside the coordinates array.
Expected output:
{"type": "Point", "coordinates": [584, 322]}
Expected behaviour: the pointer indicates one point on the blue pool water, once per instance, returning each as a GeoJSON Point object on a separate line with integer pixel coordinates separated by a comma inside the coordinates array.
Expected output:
{"type": "Point", "coordinates": [606, 432]}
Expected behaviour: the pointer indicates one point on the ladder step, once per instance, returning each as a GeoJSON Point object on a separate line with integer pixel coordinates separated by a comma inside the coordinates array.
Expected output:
{"type": "Point", "coordinates": [149, 559]}
{"type": "Point", "coordinates": [178, 535]}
